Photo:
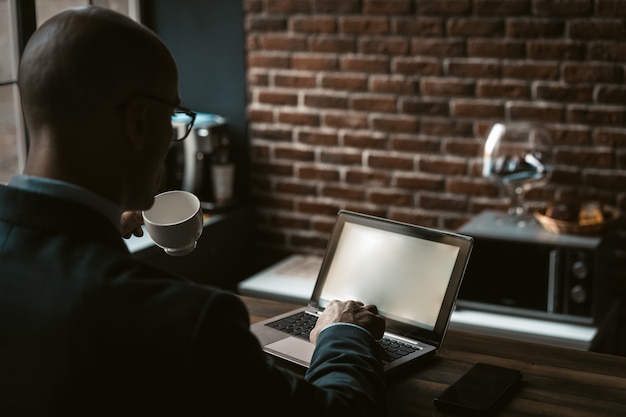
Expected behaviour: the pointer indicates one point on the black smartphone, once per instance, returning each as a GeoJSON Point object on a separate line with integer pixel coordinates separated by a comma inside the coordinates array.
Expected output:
{"type": "Point", "coordinates": [480, 391]}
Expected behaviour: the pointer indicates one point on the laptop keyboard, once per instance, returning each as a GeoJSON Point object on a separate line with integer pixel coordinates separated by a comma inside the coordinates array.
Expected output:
{"type": "Point", "coordinates": [301, 324]}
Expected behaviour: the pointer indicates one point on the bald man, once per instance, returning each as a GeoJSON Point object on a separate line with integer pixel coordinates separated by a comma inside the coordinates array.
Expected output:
{"type": "Point", "coordinates": [85, 329]}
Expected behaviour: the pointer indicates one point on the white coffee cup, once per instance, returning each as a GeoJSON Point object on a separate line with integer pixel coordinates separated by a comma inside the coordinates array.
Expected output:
{"type": "Point", "coordinates": [174, 222]}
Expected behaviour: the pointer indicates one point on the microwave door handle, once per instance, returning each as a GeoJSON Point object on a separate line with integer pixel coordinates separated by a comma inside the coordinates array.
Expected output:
{"type": "Point", "coordinates": [553, 265]}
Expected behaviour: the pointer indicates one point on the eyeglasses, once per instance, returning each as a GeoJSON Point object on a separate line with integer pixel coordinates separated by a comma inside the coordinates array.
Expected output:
{"type": "Point", "coordinates": [179, 114]}
{"type": "Point", "coordinates": [188, 117]}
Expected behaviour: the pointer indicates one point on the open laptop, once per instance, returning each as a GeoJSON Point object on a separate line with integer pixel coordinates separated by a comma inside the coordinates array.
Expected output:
{"type": "Point", "coordinates": [411, 273]}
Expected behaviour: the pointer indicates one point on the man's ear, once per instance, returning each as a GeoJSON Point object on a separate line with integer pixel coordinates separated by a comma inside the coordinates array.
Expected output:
{"type": "Point", "coordinates": [136, 119]}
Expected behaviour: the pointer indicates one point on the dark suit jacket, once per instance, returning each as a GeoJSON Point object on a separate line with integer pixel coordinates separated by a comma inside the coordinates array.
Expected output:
{"type": "Point", "coordinates": [87, 330]}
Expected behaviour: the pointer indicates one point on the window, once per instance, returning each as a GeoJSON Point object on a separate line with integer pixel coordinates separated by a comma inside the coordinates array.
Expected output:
{"type": "Point", "coordinates": [13, 146]}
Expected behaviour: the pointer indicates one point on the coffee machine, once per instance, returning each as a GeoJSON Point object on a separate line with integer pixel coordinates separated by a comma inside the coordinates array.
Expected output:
{"type": "Point", "coordinates": [190, 163]}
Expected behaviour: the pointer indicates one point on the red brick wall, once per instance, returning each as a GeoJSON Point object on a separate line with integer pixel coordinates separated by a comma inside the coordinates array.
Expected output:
{"type": "Point", "coordinates": [381, 106]}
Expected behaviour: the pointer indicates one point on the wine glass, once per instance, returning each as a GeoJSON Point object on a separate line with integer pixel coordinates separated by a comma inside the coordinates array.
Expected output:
{"type": "Point", "coordinates": [518, 157]}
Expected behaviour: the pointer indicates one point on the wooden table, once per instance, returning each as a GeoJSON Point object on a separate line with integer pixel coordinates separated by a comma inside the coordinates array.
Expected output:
{"type": "Point", "coordinates": [556, 382]}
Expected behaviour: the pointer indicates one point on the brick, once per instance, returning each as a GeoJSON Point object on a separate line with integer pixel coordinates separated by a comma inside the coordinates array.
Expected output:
{"type": "Point", "coordinates": [277, 97]}
{"type": "Point", "coordinates": [418, 26]}
{"type": "Point", "coordinates": [287, 6]}
{"type": "Point", "coordinates": [337, 7]}
{"type": "Point", "coordinates": [310, 172]}
{"type": "Point", "coordinates": [605, 180]}
{"type": "Point", "coordinates": [393, 162]}
{"type": "Point", "coordinates": [526, 28]}
{"type": "Point", "coordinates": [476, 108]}
{"type": "Point", "coordinates": [328, 44]}
{"type": "Point", "coordinates": [531, 70]}
{"type": "Point", "coordinates": [438, 47]}
{"type": "Point", "coordinates": [417, 66]}
{"type": "Point", "coordinates": [345, 120]}
{"type": "Point", "coordinates": [314, 62]}
{"type": "Point", "coordinates": [563, 92]}
{"type": "Point", "coordinates": [442, 165]}
{"type": "Point", "coordinates": [298, 118]}
{"type": "Point", "coordinates": [503, 89]}
{"type": "Point", "coordinates": [607, 51]}
{"type": "Point", "coordinates": [281, 42]}
{"type": "Point", "coordinates": [584, 157]}
{"type": "Point", "coordinates": [293, 153]}
{"type": "Point", "coordinates": [265, 23]}
{"type": "Point", "coordinates": [387, 7]}
{"type": "Point", "coordinates": [360, 63]}
{"type": "Point", "coordinates": [417, 144]}
{"type": "Point", "coordinates": [470, 187]}
{"type": "Point", "coordinates": [447, 87]}
{"type": "Point", "coordinates": [252, 6]}
{"type": "Point", "coordinates": [603, 115]}
{"type": "Point", "coordinates": [273, 133]}
{"type": "Point", "coordinates": [397, 124]}
{"type": "Point", "coordinates": [443, 203]}
{"type": "Point", "coordinates": [597, 29]}
{"type": "Point", "coordinates": [368, 177]}
{"type": "Point", "coordinates": [475, 68]}
{"type": "Point", "coordinates": [425, 106]}
{"type": "Point", "coordinates": [294, 80]}
{"type": "Point", "coordinates": [570, 135]}
{"type": "Point", "coordinates": [323, 225]}
{"type": "Point", "coordinates": [592, 73]}
{"type": "Point", "coordinates": [444, 7]}
{"type": "Point", "coordinates": [556, 50]}
{"type": "Point", "coordinates": [610, 137]}
{"type": "Point", "coordinates": [349, 82]}
{"type": "Point", "coordinates": [267, 60]}
{"type": "Point", "coordinates": [472, 27]}
{"type": "Point", "coordinates": [501, 8]}
{"type": "Point", "coordinates": [564, 8]}
{"type": "Point", "coordinates": [495, 48]}
{"type": "Point", "coordinates": [374, 103]}
{"type": "Point", "coordinates": [535, 111]}
{"type": "Point", "coordinates": [327, 101]}
{"type": "Point", "coordinates": [260, 115]}
{"type": "Point", "coordinates": [365, 140]}
{"type": "Point", "coordinates": [343, 192]}
{"type": "Point", "coordinates": [391, 198]}
{"type": "Point", "coordinates": [320, 138]}
{"type": "Point", "coordinates": [446, 127]}
{"type": "Point", "coordinates": [385, 46]}
{"type": "Point", "coordinates": [364, 25]}
{"type": "Point", "coordinates": [394, 84]}
{"type": "Point", "coordinates": [419, 181]}
{"type": "Point", "coordinates": [462, 147]}
{"type": "Point", "coordinates": [341, 157]}
{"type": "Point", "coordinates": [313, 24]}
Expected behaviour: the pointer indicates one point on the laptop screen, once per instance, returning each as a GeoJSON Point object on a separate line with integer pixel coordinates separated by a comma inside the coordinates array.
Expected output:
{"type": "Point", "coordinates": [405, 270]}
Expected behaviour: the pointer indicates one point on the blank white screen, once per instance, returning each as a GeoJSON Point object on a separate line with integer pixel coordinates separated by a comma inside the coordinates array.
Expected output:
{"type": "Point", "coordinates": [405, 277]}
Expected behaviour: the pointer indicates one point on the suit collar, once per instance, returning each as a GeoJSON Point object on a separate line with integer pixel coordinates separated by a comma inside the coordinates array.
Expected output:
{"type": "Point", "coordinates": [56, 215]}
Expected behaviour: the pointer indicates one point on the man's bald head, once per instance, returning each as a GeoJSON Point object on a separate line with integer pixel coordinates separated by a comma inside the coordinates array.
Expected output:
{"type": "Point", "coordinates": [98, 91]}
{"type": "Point", "coordinates": [85, 58]}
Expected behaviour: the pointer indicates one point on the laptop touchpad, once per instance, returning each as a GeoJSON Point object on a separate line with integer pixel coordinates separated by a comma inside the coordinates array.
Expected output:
{"type": "Point", "coordinates": [294, 348]}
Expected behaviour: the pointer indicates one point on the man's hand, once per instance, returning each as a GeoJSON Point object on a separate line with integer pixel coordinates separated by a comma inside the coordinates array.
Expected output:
{"type": "Point", "coordinates": [131, 222]}
{"type": "Point", "coordinates": [353, 312]}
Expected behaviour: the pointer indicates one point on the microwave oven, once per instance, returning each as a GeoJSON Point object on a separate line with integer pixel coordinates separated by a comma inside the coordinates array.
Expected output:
{"type": "Point", "coordinates": [529, 271]}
